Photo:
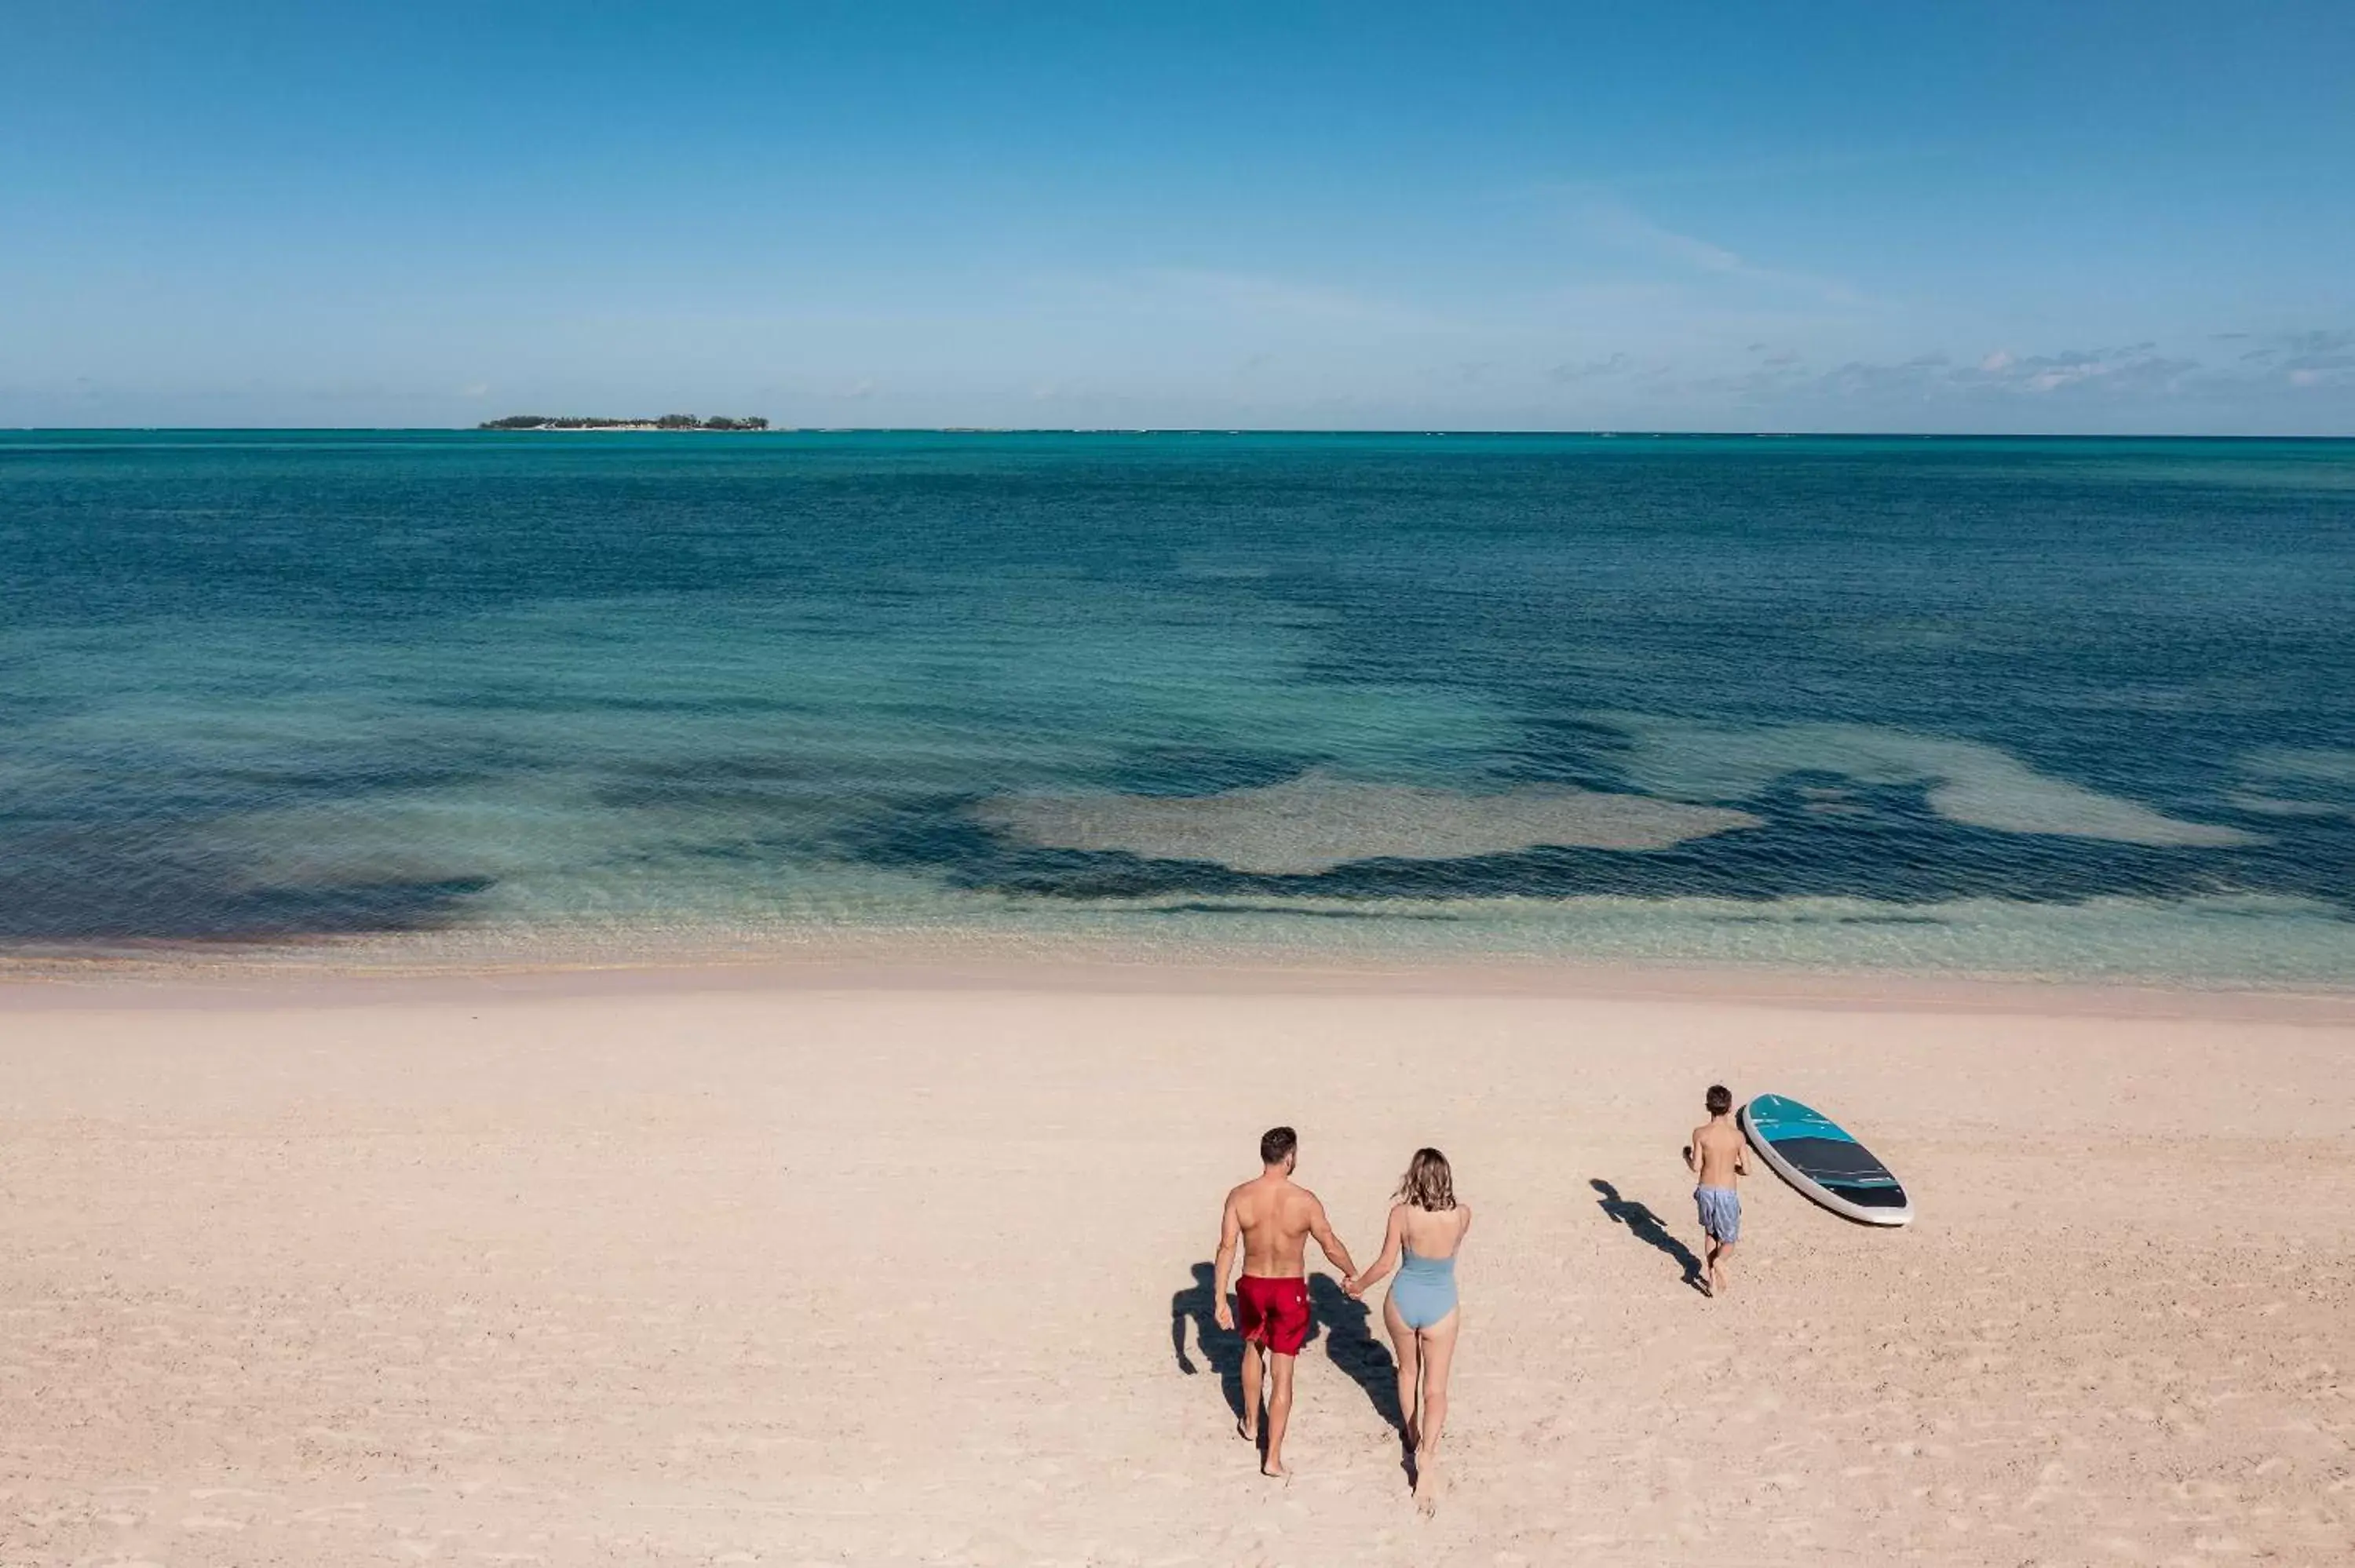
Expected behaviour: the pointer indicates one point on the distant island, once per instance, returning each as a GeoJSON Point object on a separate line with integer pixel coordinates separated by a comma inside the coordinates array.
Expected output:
{"type": "Point", "coordinates": [668, 422]}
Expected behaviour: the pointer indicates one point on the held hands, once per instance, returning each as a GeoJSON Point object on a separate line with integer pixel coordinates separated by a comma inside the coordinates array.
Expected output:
{"type": "Point", "coordinates": [1354, 1287]}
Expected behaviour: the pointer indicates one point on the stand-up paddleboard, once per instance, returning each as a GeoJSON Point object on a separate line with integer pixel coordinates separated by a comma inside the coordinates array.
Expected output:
{"type": "Point", "coordinates": [1822, 1160]}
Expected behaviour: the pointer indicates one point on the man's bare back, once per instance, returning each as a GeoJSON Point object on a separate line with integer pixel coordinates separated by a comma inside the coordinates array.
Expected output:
{"type": "Point", "coordinates": [1275, 1215]}
{"type": "Point", "coordinates": [1270, 1218]}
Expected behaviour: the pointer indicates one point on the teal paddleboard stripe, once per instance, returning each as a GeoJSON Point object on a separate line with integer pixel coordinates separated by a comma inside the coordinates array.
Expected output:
{"type": "Point", "coordinates": [1783, 1132]}
{"type": "Point", "coordinates": [1778, 1119]}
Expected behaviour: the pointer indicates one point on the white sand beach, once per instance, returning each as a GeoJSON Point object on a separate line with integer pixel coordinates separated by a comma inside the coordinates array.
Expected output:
{"type": "Point", "coordinates": [868, 1265]}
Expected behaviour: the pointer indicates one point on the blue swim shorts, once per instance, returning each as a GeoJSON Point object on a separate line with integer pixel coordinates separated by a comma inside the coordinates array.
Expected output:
{"type": "Point", "coordinates": [1720, 1213]}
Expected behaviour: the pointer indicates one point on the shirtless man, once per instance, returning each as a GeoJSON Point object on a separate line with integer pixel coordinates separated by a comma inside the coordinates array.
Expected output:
{"type": "Point", "coordinates": [1717, 1157]}
{"type": "Point", "coordinates": [1273, 1220]}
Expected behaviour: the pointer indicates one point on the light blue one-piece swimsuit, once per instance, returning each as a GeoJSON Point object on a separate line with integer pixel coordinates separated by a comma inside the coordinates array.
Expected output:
{"type": "Point", "coordinates": [1424, 1290]}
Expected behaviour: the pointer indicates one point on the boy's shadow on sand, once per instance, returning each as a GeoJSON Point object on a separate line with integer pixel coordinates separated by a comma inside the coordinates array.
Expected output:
{"type": "Point", "coordinates": [1341, 1321]}
{"type": "Point", "coordinates": [1646, 1227]}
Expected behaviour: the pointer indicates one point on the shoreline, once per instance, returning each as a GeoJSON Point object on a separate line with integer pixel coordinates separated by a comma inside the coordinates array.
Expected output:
{"type": "Point", "coordinates": [1079, 969]}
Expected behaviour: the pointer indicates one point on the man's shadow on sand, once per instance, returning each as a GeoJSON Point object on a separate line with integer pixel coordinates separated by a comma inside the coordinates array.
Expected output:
{"type": "Point", "coordinates": [1220, 1348]}
{"type": "Point", "coordinates": [1646, 1227]}
{"type": "Point", "coordinates": [1342, 1323]}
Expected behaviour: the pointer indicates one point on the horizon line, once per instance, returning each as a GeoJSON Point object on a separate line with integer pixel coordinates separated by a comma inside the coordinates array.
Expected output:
{"type": "Point", "coordinates": [1594, 432]}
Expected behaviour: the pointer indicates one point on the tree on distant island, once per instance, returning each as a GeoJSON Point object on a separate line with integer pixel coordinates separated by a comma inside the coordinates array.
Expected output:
{"type": "Point", "coordinates": [579, 422]}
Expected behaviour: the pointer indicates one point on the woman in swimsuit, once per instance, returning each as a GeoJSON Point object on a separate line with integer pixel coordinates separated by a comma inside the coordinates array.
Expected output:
{"type": "Point", "coordinates": [1427, 1228]}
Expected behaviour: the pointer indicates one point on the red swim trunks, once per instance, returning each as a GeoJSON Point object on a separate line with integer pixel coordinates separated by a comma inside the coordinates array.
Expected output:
{"type": "Point", "coordinates": [1272, 1312]}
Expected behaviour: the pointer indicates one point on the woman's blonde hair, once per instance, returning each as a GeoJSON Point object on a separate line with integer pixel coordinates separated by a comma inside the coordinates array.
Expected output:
{"type": "Point", "coordinates": [1428, 1183]}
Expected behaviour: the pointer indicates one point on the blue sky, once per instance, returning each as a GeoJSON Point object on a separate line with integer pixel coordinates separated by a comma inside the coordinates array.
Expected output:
{"type": "Point", "coordinates": [2053, 217]}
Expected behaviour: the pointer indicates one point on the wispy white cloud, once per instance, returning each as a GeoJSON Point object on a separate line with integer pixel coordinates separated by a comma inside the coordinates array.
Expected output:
{"type": "Point", "coordinates": [1621, 367]}
{"type": "Point", "coordinates": [1624, 227]}
{"type": "Point", "coordinates": [2138, 366]}
{"type": "Point", "coordinates": [2134, 385]}
{"type": "Point", "coordinates": [2312, 357]}
{"type": "Point", "coordinates": [1610, 219]}
{"type": "Point", "coordinates": [1590, 369]}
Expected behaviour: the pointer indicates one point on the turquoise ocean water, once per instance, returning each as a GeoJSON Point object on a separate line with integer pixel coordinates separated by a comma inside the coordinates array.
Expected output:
{"type": "Point", "coordinates": [2068, 708]}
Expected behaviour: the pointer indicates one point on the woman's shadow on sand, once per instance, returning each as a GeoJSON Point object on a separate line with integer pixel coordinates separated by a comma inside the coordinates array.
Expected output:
{"type": "Point", "coordinates": [1646, 1227]}
{"type": "Point", "coordinates": [1342, 1323]}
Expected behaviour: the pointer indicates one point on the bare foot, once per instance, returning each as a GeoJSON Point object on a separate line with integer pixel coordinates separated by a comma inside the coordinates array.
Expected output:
{"type": "Point", "coordinates": [1249, 1433]}
{"type": "Point", "coordinates": [1273, 1470]}
{"type": "Point", "coordinates": [1430, 1481]}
